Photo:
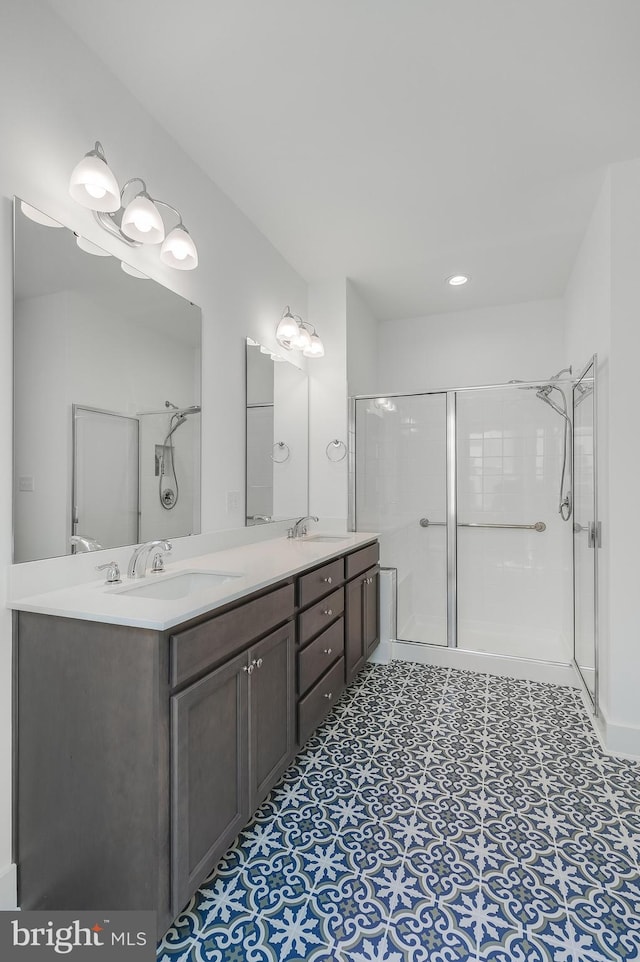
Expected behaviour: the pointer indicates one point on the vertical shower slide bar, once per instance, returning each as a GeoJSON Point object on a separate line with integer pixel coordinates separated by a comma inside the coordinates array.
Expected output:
{"type": "Point", "coordinates": [452, 524]}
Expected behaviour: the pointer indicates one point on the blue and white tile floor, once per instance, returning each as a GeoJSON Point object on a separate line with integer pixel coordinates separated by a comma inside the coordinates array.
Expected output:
{"type": "Point", "coordinates": [437, 815]}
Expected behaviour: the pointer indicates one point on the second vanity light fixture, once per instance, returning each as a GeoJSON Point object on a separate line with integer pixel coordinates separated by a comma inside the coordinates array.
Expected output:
{"type": "Point", "coordinates": [136, 222]}
{"type": "Point", "coordinates": [294, 334]}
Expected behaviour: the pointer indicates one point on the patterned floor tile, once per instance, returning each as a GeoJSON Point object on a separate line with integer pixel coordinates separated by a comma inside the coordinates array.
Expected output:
{"type": "Point", "coordinates": [435, 816]}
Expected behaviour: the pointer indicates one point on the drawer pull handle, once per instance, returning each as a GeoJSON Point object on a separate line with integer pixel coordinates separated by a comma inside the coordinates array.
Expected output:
{"type": "Point", "coordinates": [329, 695]}
{"type": "Point", "coordinates": [328, 651]}
{"type": "Point", "coordinates": [259, 663]}
{"type": "Point", "coordinates": [328, 611]}
{"type": "Point", "coordinates": [328, 581]}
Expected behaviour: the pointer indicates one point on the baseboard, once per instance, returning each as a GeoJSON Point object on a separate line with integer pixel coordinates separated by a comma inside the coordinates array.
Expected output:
{"type": "Point", "coordinates": [506, 667]}
{"type": "Point", "coordinates": [382, 655]}
{"type": "Point", "coordinates": [615, 739]}
{"type": "Point", "coordinates": [8, 889]}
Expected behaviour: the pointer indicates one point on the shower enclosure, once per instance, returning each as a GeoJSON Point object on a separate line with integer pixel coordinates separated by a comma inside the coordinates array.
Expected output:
{"type": "Point", "coordinates": [472, 493]}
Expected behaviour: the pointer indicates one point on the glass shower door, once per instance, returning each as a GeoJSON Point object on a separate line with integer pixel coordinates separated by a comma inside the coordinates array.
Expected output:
{"type": "Point", "coordinates": [586, 529]}
{"type": "Point", "coordinates": [514, 549]}
{"type": "Point", "coordinates": [401, 492]}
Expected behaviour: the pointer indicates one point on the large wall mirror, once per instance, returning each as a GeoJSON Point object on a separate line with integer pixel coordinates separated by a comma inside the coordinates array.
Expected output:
{"type": "Point", "coordinates": [107, 372]}
{"type": "Point", "coordinates": [277, 482]}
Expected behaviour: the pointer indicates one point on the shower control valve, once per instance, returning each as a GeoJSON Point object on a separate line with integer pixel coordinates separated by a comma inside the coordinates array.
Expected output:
{"type": "Point", "coordinates": [113, 572]}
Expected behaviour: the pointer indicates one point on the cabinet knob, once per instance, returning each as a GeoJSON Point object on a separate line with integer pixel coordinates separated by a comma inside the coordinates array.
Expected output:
{"type": "Point", "coordinates": [249, 668]}
{"type": "Point", "coordinates": [328, 651]}
{"type": "Point", "coordinates": [328, 611]}
{"type": "Point", "coordinates": [328, 581]}
{"type": "Point", "coordinates": [259, 663]}
{"type": "Point", "coordinates": [329, 695]}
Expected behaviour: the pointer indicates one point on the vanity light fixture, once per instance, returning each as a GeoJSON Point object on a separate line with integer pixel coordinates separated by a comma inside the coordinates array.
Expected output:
{"type": "Point", "coordinates": [456, 280]}
{"type": "Point", "coordinates": [294, 334]}
{"type": "Point", "coordinates": [137, 221]}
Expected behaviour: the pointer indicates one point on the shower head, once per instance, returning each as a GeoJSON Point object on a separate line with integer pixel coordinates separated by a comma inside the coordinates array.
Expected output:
{"type": "Point", "coordinates": [192, 409]}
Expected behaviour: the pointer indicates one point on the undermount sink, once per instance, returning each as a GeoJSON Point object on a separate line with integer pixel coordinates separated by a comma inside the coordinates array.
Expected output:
{"type": "Point", "coordinates": [171, 587]}
{"type": "Point", "coordinates": [324, 537]}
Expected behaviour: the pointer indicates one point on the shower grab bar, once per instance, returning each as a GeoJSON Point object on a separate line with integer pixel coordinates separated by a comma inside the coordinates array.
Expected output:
{"type": "Point", "coordinates": [538, 526]}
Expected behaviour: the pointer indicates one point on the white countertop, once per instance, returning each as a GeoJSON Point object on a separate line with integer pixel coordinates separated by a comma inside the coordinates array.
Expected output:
{"type": "Point", "coordinates": [259, 565]}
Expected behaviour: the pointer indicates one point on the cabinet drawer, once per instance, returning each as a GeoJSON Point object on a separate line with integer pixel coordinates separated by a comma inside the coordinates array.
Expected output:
{"type": "Point", "coordinates": [315, 706]}
{"type": "Point", "coordinates": [213, 641]}
{"type": "Point", "coordinates": [320, 615]}
{"type": "Point", "coordinates": [361, 560]}
{"type": "Point", "coordinates": [319, 582]}
{"type": "Point", "coordinates": [314, 660]}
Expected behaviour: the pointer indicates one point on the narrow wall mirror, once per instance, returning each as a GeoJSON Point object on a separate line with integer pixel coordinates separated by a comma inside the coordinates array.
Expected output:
{"type": "Point", "coordinates": [107, 371]}
{"type": "Point", "coordinates": [277, 477]}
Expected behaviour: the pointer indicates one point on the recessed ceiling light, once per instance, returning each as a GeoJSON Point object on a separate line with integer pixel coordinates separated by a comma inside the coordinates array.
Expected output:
{"type": "Point", "coordinates": [457, 279]}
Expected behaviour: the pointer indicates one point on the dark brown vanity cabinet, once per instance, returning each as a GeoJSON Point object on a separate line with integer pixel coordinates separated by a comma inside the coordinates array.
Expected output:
{"type": "Point", "coordinates": [141, 754]}
{"type": "Point", "coordinates": [233, 734]}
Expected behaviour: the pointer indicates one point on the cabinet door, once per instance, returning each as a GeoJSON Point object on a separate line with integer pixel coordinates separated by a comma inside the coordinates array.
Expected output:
{"type": "Point", "coordinates": [371, 617]}
{"type": "Point", "coordinates": [354, 646]}
{"type": "Point", "coordinates": [362, 621]}
{"type": "Point", "coordinates": [209, 773]}
{"type": "Point", "coordinates": [272, 710]}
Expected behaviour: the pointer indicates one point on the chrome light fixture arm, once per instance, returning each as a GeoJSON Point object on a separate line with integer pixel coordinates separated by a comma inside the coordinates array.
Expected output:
{"type": "Point", "coordinates": [138, 222]}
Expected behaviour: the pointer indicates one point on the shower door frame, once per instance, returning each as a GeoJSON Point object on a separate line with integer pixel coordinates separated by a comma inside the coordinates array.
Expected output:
{"type": "Point", "coordinates": [451, 486]}
{"type": "Point", "coordinates": [593, 699]}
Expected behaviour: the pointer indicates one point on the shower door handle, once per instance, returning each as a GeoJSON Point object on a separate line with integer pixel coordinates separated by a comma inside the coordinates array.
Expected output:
{"type": "Point", "coordinates": [536, 526]}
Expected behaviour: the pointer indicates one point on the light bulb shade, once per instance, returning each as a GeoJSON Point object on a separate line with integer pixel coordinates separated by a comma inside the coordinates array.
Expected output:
{"type": "Point", "coordinates": [178, 250]}
{"type": "Point", "coordinates": [302, 339]}
{"type": "Point", "coordinates": [38, 216]}
{"type": "Point", "coordinates": [93, 185]}
{"type": "Point", "coordinates": [316, 347]}
{"type": "Point", "coordinates": [90, 248]}
{"type": "Point", "coordinates": [287, 328]}
{"type": "Point", "coordinates": [133, 271]}
{"type": "Point", "coordinates": [141, 221]}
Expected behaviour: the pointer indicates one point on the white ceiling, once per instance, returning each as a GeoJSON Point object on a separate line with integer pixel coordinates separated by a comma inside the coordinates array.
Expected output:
{"type": "Point", "coordinates": [394, 141]}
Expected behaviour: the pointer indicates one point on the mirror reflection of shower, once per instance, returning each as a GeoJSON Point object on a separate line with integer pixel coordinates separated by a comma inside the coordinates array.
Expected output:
{"type": "Point", "coordinates": [545, 392]}
{"type": "Point", "coordinates": [168, 485]}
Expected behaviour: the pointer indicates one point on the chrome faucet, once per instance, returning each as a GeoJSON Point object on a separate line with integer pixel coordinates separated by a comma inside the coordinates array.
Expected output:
{"type": "Point", "coordinates": [138, 561]}
{"type": "Point", "coordinates": [84, 544]}
{"type": "Point", "coordinates": [299, 529]}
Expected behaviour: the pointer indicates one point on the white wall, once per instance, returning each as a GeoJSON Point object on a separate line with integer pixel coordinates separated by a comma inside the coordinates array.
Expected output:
{"type": "Point", "coordinates": [362, 344]}
{"type": "Point", "coordinates": [56, 99]}
{"type": "Point", "coordinates": [489, 345]}
{"type": "Point", "coordinates": [328, 400]}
